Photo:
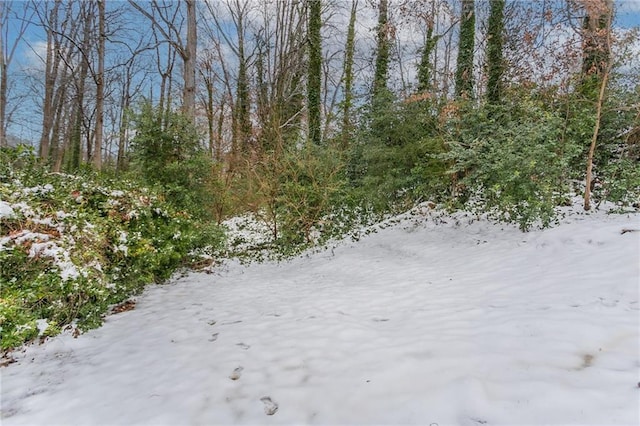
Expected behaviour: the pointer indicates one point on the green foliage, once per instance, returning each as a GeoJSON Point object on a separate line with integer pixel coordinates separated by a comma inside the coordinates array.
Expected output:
{"type": "Point", "coordinates": [620, 182]}
{"type": "Point", "coordinates": [74, 245]}
{"type": "Point", "coordinates": [14, 159]}
{"type": "Point", "coordinates": [511, 162]}
{"type": "Point", "coordinates": [310, 183]}
{"type": "Point", "coordinates": [167, 151]}
{"type": "Point", "coordinates": [397, 161]}
{"type": "Point", "coordinates": [297, 190]}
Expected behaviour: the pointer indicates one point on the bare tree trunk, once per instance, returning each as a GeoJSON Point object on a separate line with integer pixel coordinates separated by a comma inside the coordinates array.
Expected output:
{"type": "Point", "coordinates": [124, 122]}
{"type": "Point", "coordinates": [76, 146]}
{"type": "Point", "coordinates": [167, 96]}
{"type": "Point", "coordinates": [173, 35]}
{"type": "Point", "coordinates": [605, 69]}
{"type": "Point", "coordinates": [211, 119]}
{"type": "Point", "coordinates": [61, 135]}
{"type": "Point", "coordinates": [219, 137]}
{"type": "Point", "coordinates": [97, 150]}
{"type": "Point", "coordinates": [446, 77]}
{"type": "Point", "coordinates": [3, 76]}
{"type": "Point", "coordinates": [7, 52]}
{"type": "Point", "coordinates": [51, 74]}
{"type": "Point", "coordinates": [243, 120]}
{"type": "Point", "coordinates": [189, 57]}
{"type": "Point", "coordinates": [56, 152]}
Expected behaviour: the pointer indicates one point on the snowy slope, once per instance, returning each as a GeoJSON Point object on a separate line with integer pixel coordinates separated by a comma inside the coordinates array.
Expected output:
{"type": "Point", "coordinates": [432, 321]}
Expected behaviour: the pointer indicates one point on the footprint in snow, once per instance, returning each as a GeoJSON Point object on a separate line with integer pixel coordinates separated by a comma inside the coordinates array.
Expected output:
{"type": "Point", "coordinates": [237, 372]}
{"type": "Point", "coordinates": [270, 407]}
{"type": "Point", "coordinates": [214, 337]}
{"type": "Point", "coordinates": [243, 346]}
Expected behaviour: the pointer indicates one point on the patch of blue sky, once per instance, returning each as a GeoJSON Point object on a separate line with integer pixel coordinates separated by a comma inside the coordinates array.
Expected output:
{"type": "Point", "coordinates": [627, 13]}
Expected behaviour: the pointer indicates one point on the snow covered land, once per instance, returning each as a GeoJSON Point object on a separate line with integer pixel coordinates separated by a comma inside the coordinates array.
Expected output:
{"type": "Point", "coordinates": [432, 320]}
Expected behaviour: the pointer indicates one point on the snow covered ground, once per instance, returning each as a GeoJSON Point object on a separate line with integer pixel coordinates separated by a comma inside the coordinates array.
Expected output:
{"type": "Point", "coordinates": [432, 321]}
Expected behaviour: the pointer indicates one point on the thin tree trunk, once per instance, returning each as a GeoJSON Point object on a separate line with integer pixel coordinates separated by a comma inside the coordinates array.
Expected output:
{"type": "Point", "coordinates": [4, 10]}
{"type": "Point", "coordinates": [8, 46]}
{"type": "Point", "coordinates": [605, 68]}
{"type": "Point", "coordinates": [56, 152]}
{"type": "Point", "coordinates": [3, 87]}
{"type": "Point", "coordinates": [124, 123]}
{"type": "Point", "coordinates": [446, 74]}
{"type": "Point", "coordinates": [51, 74]}
{"type": "Point", "coordinates": [211, 117]}
{"type": "Point", "coordinates": [76, 145]}
{"type": "Point", "coordinates": [62, 135]}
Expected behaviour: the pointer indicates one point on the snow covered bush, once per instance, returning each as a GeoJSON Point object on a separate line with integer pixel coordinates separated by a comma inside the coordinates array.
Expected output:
{"type": "Point", "coordinates": [71, 246]}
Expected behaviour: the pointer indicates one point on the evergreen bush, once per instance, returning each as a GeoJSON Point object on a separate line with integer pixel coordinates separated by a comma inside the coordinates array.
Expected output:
{"type": "Point", "coordinates": [512, 162]}
{"type": "Point", "coordinates": [71, 246]}
{"type": "Point", "coordinates": [168, 154]}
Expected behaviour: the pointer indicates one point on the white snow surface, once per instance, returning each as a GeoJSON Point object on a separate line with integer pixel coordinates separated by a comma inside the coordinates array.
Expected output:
{"type": "Point", "coordinates": [6, 210]}
{"type": "Point", "coordinates": [430, 322]}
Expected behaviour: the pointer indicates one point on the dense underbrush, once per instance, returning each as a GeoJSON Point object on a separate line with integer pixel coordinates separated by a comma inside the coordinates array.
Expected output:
{"type": "Point", "coordinates": [72, 246]}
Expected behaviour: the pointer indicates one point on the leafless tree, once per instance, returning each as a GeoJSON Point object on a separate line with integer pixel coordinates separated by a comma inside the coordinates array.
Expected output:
{"type": "Point", "coordinates": [162, 17]}
{"type": "Point", "coordinates": [7, 52]}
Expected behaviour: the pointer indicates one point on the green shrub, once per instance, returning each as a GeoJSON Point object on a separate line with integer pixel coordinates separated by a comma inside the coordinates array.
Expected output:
{"type": "Point", "coordinates": [295, 192]}
{"type": "Point", "coordinates": [512, 162]}
{"type": "Point", "coordinates": [310, 184]}
{"type": "Point", "coordinates": [396, 160]}
{"type": "Point", "coordinates": [75, 245]}
{"type": "Point", "coordinates": [167, 152]}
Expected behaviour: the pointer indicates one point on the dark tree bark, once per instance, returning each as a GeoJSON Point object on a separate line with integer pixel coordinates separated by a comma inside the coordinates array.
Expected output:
{"type": "Point", "coordinates": [189, 54]}
{"type": "Point", "coordinates": [495, 60]}
{"type": "Point", "coordinates": [348, 77]}
{"type": "Point", "coordinates": [97, 150]}
{"type": "Point", "coordinates": [464, 67]}
{"type": "Point", "coordinates": [382, 51]}
{"type": "Point", "coordinates": [425, 68]}
{"type": "Point", "coordinates": [314, 74]}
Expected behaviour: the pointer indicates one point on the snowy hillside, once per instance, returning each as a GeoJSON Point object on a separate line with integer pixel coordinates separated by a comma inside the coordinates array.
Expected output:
{"type": "Point", "coordinates": [435, 320]}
